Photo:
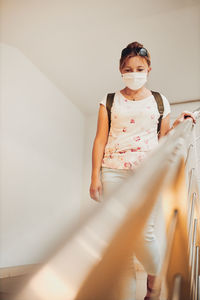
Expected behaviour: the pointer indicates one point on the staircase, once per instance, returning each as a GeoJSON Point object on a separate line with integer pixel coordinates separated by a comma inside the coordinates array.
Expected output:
{"type": "Point", "coordinates": [92, 260]}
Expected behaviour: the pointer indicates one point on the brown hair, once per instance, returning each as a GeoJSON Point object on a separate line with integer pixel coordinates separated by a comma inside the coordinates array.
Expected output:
{"type": "Point", "coordinates": [131, 51]}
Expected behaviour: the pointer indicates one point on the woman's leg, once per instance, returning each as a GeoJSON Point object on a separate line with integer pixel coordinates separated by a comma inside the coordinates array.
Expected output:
{"type": "Point", "coordinates": [148, 252]}
{"type": "Point", "coordinates": [111, 178]}
{"type": "Point", "coordinates": [147, 249]}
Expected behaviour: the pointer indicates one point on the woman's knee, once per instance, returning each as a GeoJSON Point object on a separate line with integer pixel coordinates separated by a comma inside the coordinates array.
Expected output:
{"type": "Point", "coordinates": [148, 253]}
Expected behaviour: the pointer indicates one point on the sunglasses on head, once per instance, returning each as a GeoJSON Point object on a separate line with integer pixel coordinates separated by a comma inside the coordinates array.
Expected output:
{"type": "Point", "coordinates": [139, 51]}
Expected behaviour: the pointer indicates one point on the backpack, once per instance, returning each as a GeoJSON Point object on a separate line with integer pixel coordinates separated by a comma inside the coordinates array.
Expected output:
{"type": "Point", "coordinates": [157, 96]}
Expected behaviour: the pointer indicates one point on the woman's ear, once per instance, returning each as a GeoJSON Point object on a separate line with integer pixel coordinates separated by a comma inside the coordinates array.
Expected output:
{"type": "Point", "coordinates": [149, 69]}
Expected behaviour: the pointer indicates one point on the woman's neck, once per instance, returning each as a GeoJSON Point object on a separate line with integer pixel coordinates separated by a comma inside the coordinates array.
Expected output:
{"type": "Point", "coordinates": [134, 94]}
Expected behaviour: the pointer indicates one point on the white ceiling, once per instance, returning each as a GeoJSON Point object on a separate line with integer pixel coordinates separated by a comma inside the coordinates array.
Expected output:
{"type": "Point", "coordinates": [77, 44]}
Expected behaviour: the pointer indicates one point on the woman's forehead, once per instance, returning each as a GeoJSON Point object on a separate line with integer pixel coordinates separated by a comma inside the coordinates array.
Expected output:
{"type": "Point", "coordinates": [135, 61]}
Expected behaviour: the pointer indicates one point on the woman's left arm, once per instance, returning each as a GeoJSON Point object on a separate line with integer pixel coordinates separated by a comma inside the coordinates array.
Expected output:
{"type": "Point", "coordinates": [165, 123]}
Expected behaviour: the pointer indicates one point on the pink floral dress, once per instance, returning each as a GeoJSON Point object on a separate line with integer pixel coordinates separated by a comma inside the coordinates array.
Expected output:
{"type": "Point", "coordinates": [133, 131]}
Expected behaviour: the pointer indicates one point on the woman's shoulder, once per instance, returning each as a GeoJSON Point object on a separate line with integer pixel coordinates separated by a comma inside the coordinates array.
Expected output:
{"type": "Point", "coordinates": [165, 99]}
{"type": "Point", "coordinates": [166, 104]}
{"type": "Point", "coordinates": [104, 98]}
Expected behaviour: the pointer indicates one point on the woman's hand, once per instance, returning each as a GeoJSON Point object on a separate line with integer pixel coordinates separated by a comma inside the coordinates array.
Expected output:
{"type": "Point", "coordinates": [96, 189]}
{"type": "Point", "coordinates": [184, 115]}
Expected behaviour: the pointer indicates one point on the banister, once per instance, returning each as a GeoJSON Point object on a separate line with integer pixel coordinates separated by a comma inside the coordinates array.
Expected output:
{"type": "Point", "coordinates": [88, 261]}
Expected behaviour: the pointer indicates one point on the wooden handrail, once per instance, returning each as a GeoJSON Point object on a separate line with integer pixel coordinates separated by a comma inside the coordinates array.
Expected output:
{"type": "Point", "coordinates": [184, 101]}
{"type": "Point", "coordinates": [94, 256]}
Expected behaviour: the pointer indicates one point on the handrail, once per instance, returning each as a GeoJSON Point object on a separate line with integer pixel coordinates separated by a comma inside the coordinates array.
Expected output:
{"type": "Point", "coordinates": [87, 263]}
{"type": "Point", "coordinates": [184, 101]}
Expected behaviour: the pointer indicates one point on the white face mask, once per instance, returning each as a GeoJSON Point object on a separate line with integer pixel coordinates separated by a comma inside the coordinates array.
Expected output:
{"type": "Point", "coordinates": [134, 80]}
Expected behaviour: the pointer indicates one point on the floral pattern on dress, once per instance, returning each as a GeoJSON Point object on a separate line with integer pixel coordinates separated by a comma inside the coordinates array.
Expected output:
{"type": "Point", "coordinates": [128, 165]}
{"type": "Point", "coordinates": [137, 138]}
{"type": "Point", "coordinates": [133, 132]}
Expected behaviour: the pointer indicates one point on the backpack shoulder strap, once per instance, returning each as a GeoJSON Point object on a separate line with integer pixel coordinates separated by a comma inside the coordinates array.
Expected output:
{"type": "Point", "coordinates": [109, 102]}
{"type": "Point", "coordinates": [160, 105]}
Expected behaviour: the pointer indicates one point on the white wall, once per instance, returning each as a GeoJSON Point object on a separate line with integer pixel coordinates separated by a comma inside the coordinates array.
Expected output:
{"type": "Point", "coordinates": [78, 43]}
{"type": "Point", "coordinates": [42, 138]}
{"type": "Point", "coordinates": [175, 44]}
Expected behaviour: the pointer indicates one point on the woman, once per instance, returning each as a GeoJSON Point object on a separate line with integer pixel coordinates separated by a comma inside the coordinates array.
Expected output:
{"type": "Point", "coordinates": [133, 133]}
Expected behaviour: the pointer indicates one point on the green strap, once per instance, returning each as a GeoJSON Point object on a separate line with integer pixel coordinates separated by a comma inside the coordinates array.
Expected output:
{"type": "Point", "coordinates": [157, 96]}
{"type": "Point", "coordinates": [160, 105]}
{"type": "Point", "coordinates": [109, 102]}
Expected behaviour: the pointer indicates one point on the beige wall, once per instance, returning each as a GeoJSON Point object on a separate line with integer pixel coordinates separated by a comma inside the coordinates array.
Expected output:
{"type": "Point", "coordinates": [77, 44]}
{"type": "Point", "coordinates": [42, 138]}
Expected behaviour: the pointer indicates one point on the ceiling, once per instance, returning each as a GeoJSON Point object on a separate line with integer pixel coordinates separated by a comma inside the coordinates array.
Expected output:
{"type": "Point", "coordinates": [77, 44]}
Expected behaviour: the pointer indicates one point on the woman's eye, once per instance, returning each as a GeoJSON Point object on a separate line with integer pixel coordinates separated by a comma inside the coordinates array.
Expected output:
{"type": "Point", "coordinates": [141, 70]}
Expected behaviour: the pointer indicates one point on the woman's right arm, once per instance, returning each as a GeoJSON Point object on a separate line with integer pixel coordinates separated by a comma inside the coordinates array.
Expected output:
{"type": "Point", "coordinates": [98, 152]}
